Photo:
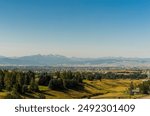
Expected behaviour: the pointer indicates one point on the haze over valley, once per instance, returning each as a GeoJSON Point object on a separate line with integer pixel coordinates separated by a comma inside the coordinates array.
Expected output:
{"type": "Point", "coordinates": [59, 60]}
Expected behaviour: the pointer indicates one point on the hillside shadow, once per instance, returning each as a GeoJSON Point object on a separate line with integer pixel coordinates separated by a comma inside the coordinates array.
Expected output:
{"type": "Point", "coordinates": [92, 86]}
{"type": "Point", "coordinates": [30, 96]}
{"type": "Point", "coordinates": [47, 94]}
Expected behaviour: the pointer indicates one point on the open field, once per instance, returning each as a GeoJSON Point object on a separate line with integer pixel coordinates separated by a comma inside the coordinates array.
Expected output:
{"type": "Point", "coordinates": [114, 88]}
{"type": "Point", "coordinates": [107, 88]}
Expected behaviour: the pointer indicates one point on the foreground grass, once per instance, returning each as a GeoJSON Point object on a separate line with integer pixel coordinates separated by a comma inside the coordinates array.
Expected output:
{"type": "Point", "coordinates": [96, 89]}
{"type": "Point", "coordinates": [2, 94]}
{"type": "Point", "coordinates": [115, 88]}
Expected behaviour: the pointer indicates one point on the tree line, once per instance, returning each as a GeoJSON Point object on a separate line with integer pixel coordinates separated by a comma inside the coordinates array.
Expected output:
{"type": "Point", "coordinates": [110, 75]}
{"type": "Point", "coordinates": [61, 80]}
{"type": "Point", "coordinates": [17, 83]}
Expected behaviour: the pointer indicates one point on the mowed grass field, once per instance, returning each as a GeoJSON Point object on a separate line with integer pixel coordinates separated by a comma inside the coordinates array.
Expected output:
{"type": "Point", "coordinates": [105, 89]}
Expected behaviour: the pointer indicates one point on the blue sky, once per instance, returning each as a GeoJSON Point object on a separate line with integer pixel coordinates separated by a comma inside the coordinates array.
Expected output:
{"type": "Point", "coordinates": [81, 28]}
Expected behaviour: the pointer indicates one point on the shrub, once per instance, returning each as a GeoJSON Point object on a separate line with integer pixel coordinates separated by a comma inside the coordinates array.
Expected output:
{"type": "Point", "coordinates": [145, 87]}
{"type": "Point", "coordinates": [70, 83]}
{"type": "Point", "coordinates": [56, 84]}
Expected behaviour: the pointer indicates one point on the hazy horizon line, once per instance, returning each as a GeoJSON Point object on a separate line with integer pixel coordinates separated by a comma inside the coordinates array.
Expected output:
{"type": "Point", "coordinates": [17, 56]}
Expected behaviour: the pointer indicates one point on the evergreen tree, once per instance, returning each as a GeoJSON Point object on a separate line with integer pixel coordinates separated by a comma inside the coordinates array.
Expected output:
{"type": "Point", "coordinates": [56, 84]}
{"type": "Point", "coordinates": [8, 81]}
{"type": "Point", "coordinates": [1, 80]}
{"type": "Point", "coordinates": [26, 79]}
{"type": "Point", "coordinates": [33, 86]}
{"type": "Point", "coordinates": [44, 79]}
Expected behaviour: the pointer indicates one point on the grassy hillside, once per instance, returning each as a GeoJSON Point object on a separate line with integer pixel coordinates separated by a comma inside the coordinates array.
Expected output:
{"type": "Point", "coordinates": [115, 88]}
{"type": "Point", "coordinates": [106, 88]}
{"type": "Point", "coordinates": [92, 89]}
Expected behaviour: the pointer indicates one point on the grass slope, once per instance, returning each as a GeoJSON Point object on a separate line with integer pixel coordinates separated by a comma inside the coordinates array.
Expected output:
{"type": "Point", "coordinates": [106, 88]}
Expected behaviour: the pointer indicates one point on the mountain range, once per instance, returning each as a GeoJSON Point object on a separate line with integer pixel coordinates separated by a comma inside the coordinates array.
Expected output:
{"type": "Point", "coordinates": [59, 60]}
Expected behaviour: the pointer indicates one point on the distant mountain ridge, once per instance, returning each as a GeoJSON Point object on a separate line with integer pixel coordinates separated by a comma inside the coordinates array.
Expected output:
{"type": "Point", "coordinates": [59, 60]}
